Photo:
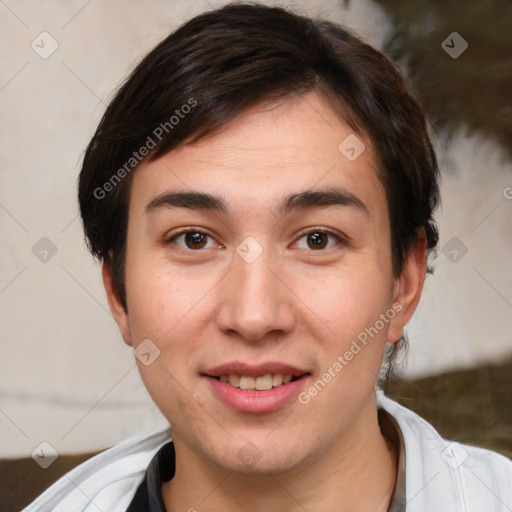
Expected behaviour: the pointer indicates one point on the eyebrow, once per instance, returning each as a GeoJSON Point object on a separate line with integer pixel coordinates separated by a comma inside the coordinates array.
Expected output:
{"type": "Point", "coordinates": [299, 201]}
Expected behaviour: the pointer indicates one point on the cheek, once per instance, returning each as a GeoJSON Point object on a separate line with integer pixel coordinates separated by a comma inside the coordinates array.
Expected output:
{"type": "Point", "coordinates": [172, 309]}
{"type": "Point", "coordinates": [169, 313]}
{"type": "Point", "coordinates": [350, 353]}
{"type": "Point", "coordinates": [161, 303]}
{"type": "Point", "coordinates": [345, 301]}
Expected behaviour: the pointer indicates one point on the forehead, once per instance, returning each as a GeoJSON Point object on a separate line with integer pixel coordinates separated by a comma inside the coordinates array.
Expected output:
{"type": "Point", "coordinates": [288, 147]}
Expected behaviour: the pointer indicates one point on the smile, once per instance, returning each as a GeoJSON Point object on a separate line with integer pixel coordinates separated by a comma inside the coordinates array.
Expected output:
{"type": "Point", "coordinates": [256, 389]}
{"type": "Point", "coordinates": [262, 383]}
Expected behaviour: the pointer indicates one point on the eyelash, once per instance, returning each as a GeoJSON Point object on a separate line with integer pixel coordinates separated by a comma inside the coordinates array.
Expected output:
{"type": "Point", "coordinates": [172, 239]}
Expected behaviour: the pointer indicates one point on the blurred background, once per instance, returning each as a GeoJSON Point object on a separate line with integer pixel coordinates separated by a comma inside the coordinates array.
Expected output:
{"type": "Point", "coordinates": [66, 377]}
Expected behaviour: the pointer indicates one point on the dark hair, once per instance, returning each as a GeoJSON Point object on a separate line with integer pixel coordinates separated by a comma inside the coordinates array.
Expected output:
{"type": "Point", "coordinates": [220, 63]}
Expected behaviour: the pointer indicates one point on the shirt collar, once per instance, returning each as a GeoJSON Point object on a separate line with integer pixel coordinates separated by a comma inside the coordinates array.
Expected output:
{"type": "Point", "coordinates": [391, 430]}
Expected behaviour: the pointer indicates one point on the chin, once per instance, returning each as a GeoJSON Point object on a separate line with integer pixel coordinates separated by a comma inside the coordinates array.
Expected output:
{"type": "Point", "coordinates": [259, 457]}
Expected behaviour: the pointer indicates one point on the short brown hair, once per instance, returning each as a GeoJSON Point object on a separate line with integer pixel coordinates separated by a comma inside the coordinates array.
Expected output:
{"type": "Point", "coordinates": [222, 62]}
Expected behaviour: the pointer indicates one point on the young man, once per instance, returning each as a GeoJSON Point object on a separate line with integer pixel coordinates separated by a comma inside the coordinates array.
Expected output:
{"type": "Point", "coordinates": [261, 194]}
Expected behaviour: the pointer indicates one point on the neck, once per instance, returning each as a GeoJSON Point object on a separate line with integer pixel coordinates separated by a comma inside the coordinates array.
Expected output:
{"type": "Point", "coordinates": [356, 474]}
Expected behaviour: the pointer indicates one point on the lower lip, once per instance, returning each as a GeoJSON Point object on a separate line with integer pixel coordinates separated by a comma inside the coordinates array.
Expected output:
{"type": "Point", "coordinates": [257, 402]}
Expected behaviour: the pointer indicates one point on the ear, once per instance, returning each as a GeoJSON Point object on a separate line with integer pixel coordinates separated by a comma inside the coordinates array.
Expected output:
{"type": "Point", "coordinates": [408, 287]}
{"type": "Point", "coordinates": [115, 304]}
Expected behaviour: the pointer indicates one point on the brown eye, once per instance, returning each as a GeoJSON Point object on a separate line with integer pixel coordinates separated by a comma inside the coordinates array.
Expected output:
{"type": "Point", "coordinates": [317, 240]}
{"type": "Point", "coordinates": [192, 240]}
{"type": "Point", "coordinates": [195, 240]}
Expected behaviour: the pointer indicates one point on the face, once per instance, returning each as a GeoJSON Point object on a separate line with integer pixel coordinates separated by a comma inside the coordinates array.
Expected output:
{"type": "Point", "coordinates": [257, 256]}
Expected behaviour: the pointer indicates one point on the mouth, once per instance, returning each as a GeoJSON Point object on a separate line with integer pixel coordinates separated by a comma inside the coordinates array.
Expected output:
{"type": "Point", "coordinates": [256, 389]}
{"type": "Point", "coordinates": [260, 383]}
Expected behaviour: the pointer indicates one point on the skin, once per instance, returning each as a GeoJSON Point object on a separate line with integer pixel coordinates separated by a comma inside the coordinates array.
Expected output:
{"type": "Point", "coordinates": [295, 304]}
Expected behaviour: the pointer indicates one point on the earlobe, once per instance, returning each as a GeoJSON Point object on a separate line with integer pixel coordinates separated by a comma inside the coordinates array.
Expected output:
{"type": "Point", "coordinates": [116, 307]}
{"type": "Point", "coordinates": [408, 287]}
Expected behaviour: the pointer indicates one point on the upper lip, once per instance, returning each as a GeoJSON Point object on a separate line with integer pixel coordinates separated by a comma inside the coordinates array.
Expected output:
{"type": "Point", "coordinates": [251, 370]}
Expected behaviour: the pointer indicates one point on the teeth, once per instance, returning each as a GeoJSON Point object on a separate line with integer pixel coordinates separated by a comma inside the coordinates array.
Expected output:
{"type": "Point", "coordinates": [277, 379]}
{"type": "Point", "coordinates": [247, 383]}
{"type": "Point", "coordinates": [234, 380]}
{"type": "Point", "coordinates": [262, 383]}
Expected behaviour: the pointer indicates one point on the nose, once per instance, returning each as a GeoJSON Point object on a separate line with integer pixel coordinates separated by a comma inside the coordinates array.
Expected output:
{"type": "Point", "coordinates": [255, 301]}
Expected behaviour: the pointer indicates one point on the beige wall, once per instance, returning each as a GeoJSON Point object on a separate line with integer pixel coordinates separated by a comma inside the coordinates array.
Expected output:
{"type": "Point", "coordinates": [65, 375]}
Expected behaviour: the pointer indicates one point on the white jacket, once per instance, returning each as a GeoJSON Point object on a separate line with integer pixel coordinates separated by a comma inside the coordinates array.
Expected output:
{"type": "Point", "coordinates": [441, 476]}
